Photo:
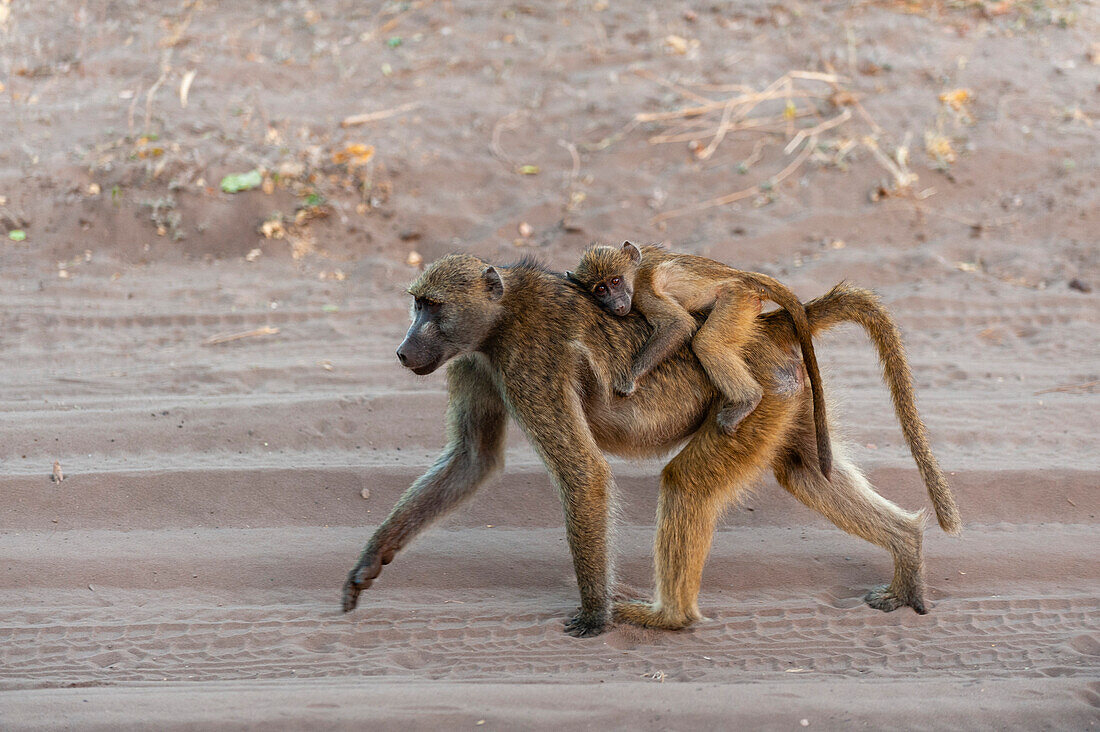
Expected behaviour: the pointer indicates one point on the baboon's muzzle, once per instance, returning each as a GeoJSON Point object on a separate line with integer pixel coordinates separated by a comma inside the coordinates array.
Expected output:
{"type": "Point", "coordinates": [416, 357]}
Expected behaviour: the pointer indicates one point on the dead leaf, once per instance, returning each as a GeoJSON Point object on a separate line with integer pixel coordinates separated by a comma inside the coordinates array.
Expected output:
{"type": "Point", "coordinates": [272, 229]}
{"type": "Point", "coordinates": [992, 335]}
{"type": "Point", "coordinates": [290, 170]}
{"type": "Point", "coordinates": [58, 476]}
{"type": "Point", "coordinates": [253, 255]}
{"type": "Point", "coordinates": [939, 147]}
{"type": "Point", "coordinates": [353, 155]}
{"type": "Point", "coordinates": [679, 45]}
{"type": "Point", "coordinates": [414, 259]}
{"type": "Point", "coordinates": [956, 98]}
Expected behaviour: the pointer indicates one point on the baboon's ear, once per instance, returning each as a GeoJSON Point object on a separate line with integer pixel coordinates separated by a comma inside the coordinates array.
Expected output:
{"type": "Point", "coordinates": [572, 278]}
{"type": "Point", "coordinates": [493, 282]}
{"type": "Point", "coordinates": [632, 251]}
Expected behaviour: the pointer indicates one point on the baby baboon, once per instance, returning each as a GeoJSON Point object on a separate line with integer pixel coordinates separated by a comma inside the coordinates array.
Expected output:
{"type": "Point", "coordinates": [528, 344]}
{"type": "Point", "coordinates": [666, 288]}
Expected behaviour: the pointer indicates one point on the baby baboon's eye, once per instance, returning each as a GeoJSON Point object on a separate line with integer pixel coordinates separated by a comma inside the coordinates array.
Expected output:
{"type": "Point", "coordinates": [615, 281]}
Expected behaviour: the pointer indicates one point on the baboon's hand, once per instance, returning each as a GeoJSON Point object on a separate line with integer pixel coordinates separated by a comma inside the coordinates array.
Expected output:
{"type": "Point", "coordinates": [624, 387]}
{"type": "Point", "coordinates": [360, 578]}
{"type": "Point", "coordinates": [587, 623]}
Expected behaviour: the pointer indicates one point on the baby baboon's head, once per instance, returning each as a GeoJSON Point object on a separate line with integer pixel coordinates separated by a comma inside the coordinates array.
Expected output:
{"type": "Point", "coordinates": [456, 302]}
{"type": "Point", "coordinates": [607, 274]}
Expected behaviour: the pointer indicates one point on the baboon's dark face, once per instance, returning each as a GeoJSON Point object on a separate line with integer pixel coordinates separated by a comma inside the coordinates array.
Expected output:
{"type": "Point", "coordinates": [615, 294]}
{"type": "Point", "coordinates": [607, 274]}
{"type": "Point", "coordinates": [423, 350]}
{"type": "Point", "coordinates": [455, 306]}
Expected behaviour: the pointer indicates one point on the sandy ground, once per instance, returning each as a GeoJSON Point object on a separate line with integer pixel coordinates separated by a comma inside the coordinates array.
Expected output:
{"type": "Point", "coordinates": [187, 570]}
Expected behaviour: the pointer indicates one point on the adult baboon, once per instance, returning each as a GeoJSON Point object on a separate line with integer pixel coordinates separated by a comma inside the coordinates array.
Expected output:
{"type": "Point", "coordinates": [529, 344]}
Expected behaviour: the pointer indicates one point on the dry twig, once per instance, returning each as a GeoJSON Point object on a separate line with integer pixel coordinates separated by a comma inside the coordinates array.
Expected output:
{"type": "Point", "coordinates": [362, 119]}
{"type": "Point", "coordinates": [745, 193]}
{"type": "Point", "coordinates": [1069, 388]}
{"type": "Point", "coordinates": [227, 337]}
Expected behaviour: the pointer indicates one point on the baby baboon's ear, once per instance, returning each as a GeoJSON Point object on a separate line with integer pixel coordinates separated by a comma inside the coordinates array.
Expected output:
{"type": "Point", "coordinates": [493, 282]}
{"type": "Point", "coordinates": [632, 251]}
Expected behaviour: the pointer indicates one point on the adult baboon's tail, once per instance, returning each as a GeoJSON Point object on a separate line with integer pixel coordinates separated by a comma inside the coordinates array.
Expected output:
{"type": "Point", "coordinates": [845, 303]}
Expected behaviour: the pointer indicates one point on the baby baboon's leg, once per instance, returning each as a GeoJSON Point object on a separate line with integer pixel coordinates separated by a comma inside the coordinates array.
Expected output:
{"type": "Point", "coordinates": [849, 501]}
{"type": "Point", "coordinates": [718, 344]}
{"type": "Point", "coordinates": [709, 473]}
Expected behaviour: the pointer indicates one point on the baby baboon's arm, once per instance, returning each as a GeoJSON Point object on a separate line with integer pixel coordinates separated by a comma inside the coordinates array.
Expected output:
{"type": "Point", "coordinates": [476, 420]}
{"type": "Point", "coordinates": [672, 325]}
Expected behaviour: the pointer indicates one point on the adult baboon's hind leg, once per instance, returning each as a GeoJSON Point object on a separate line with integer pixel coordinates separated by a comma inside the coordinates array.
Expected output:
{"type": "Point", "coordinates": [696, 485]}
{"type": "Point", "coordinates": [849, 501]}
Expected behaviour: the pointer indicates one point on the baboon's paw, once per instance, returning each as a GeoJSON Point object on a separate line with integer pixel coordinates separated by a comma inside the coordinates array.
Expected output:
{"type": "Point", "coordinates": [586, 624]}
{"type": "Point", "coordinates": [624, 387]}
{"type": "Point", "coordinates": [727, 426]}
{"type": "Point", "coordinates": [732, 415]}
{"type": "Point", "coordinates": [360, 579]}
{"type": "Point", "coordinates": [646, 615]}
{"type": "Point", "coordinates": [884, 598]}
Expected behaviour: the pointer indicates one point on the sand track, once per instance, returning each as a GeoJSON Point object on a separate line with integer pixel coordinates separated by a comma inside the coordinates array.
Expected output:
{"type": "Point", "coordinates": [139, 606]}
{"type": "Point", "coordinates": [186, 573]}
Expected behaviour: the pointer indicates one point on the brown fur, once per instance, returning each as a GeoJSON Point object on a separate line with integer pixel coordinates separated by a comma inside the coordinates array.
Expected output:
{"type": "Point", "coordinates": [666, 287]}
{"type": "Point", "coordinates": [528, 344]}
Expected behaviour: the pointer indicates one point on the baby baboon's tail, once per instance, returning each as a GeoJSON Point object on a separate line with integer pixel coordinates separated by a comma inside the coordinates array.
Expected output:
{"type": "Point", "coordinates": [784, 298]}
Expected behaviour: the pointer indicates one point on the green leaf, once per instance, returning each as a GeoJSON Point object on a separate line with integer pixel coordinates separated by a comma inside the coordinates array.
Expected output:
{"type": "Point", "coordinates": [17, 235]}
{"type": "Point", "coordinates": [394, 42]}
{"type": "Point", "coordinates": [529, 170]}
{"type": "Point", "coordinates": [330, 308]}
{"type": "Point", "coordinates": [236, 182]}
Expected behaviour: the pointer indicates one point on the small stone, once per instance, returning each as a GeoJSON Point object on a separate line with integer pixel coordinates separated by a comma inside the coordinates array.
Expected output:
{"type": "Point", "coordinates": [365, 493]}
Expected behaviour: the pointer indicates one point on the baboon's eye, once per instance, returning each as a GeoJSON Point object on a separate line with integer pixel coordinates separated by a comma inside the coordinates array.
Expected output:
{"type": "Point", "coordinates": [600, 289]}
{"type": "Point", "coordinates": [432, 306]}
{"type": "Point", "coordinates": [615, 281]}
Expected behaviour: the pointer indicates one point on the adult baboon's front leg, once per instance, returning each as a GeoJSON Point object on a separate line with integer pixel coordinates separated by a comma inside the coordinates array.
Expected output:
{"type": "Point", "coordinates": [476, 421]}
{"type": "Point", "coordinates": [555, 424]}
